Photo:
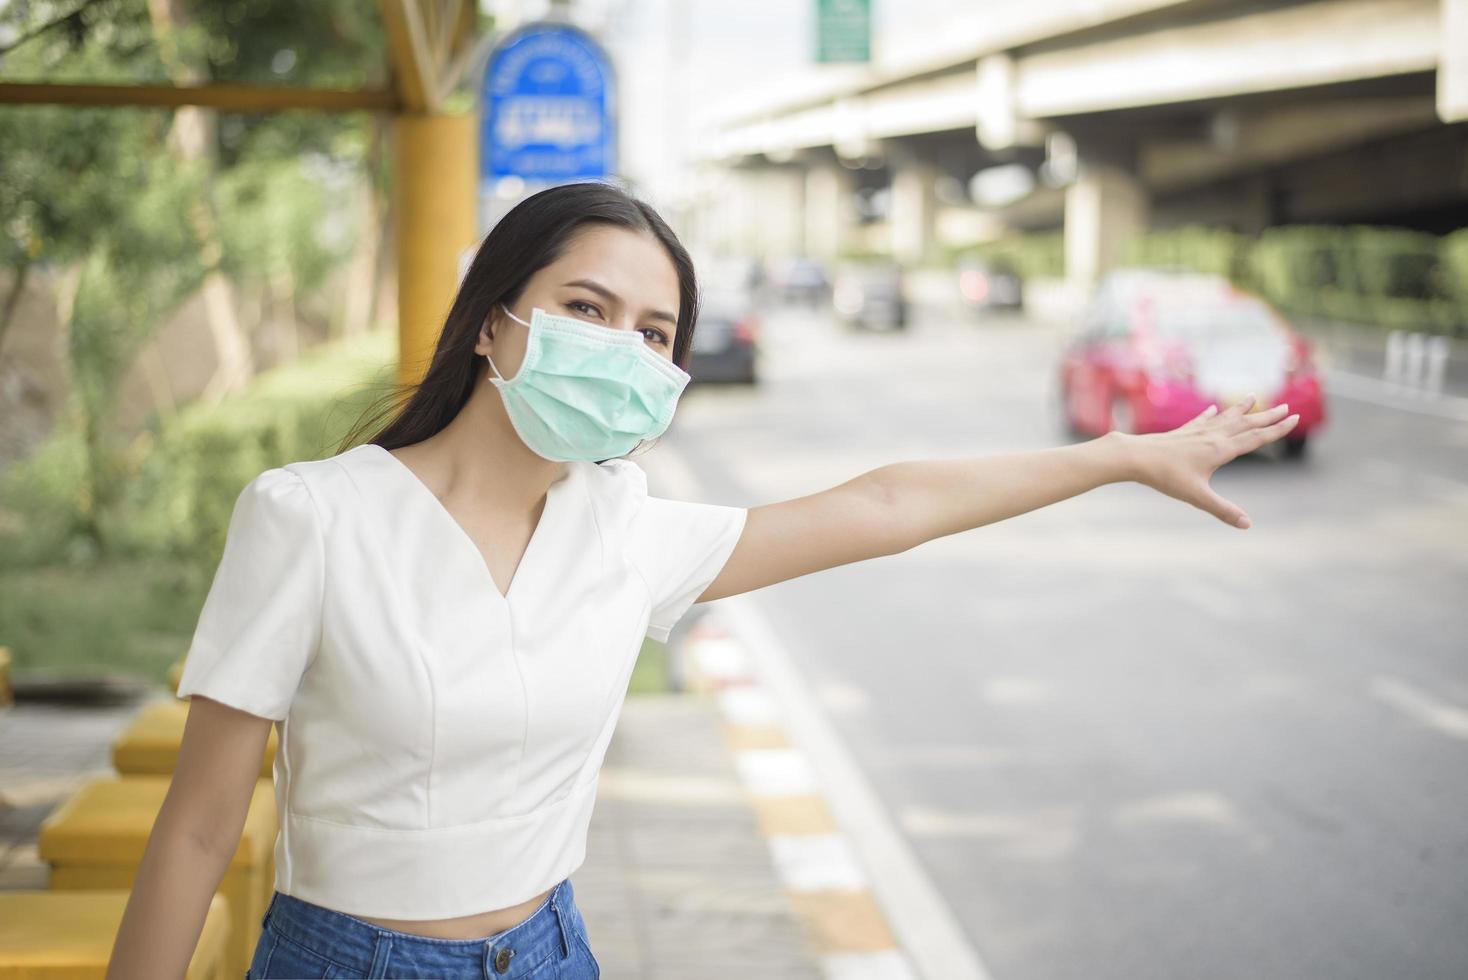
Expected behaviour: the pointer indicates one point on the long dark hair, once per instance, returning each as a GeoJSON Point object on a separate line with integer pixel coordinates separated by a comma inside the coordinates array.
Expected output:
{"type": "Point", "coordinates": [532, 235]}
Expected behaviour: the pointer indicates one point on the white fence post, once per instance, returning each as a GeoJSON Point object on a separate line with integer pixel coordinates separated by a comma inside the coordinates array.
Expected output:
{"type": "Point", "coordinates": [1416, 360]}
{"type": "Point", "coordinates": [1437, 363]}
{"type": "Point", "coordinates": [1393, 369]}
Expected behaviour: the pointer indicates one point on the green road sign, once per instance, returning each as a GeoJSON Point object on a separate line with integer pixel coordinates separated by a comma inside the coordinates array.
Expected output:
{"type": "Point", "coordinates": [843, 30]}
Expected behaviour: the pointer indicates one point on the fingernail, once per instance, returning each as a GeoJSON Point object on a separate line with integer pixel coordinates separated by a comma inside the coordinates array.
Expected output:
{"type": "Point", "coordinates": [1243, 520]}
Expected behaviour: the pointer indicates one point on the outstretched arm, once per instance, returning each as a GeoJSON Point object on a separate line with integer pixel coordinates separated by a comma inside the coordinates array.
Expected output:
{"type": "Point", "coordinates": [898, 506]}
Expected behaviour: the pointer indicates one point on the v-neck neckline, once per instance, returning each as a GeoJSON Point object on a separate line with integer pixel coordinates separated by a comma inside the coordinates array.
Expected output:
{"type": "Point", "coordinates": [547, 517]}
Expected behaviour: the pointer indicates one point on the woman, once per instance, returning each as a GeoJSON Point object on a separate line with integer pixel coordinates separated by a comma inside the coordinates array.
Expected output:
{"type": "Point", "coordinates": [442, 621]}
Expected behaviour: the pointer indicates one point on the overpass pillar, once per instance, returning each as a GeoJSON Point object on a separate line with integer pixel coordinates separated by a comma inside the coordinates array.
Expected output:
{"type": "Point", "coordinates": [762, 207]}
{"type": "Point", "coordinates": [1104, 207]}
{"type": "Point", "coordinates": [828, 209]}
{"type": "Point", "coordinates": [998, 124]}
{"type": "Point", "coordinates": [436, 156]}
{"type": "Point", "coordinates": [914, 211]}
{"type": "Point", "coordinates": [1452, 67]}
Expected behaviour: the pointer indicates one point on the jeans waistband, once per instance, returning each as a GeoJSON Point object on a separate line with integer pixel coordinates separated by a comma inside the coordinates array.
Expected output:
{"type": "Point", "coordinates": [364, 947]}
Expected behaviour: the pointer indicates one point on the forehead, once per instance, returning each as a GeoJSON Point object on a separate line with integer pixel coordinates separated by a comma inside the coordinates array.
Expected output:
{"type": "Point", "coordinates": [632, 264]}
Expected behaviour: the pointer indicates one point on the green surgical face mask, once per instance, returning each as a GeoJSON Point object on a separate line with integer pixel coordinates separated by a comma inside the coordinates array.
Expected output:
{"type": "Point", "coordinates": [587, 392]}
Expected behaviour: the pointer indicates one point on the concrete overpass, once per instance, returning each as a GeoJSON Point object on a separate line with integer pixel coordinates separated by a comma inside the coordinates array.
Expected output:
{"type": "Point", "coordinates": [1129, 114]}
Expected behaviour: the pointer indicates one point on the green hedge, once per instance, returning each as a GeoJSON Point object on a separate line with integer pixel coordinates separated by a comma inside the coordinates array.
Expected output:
{"type": "Point", "coordinates": [182, 494]}
{"type": "Point", "coordinates": [181, 476]}
{"type": "Point", "coordinates": [1213, 250]}
{"type": "Point", "coordinates": [68, 608]}
{"type": "Point", "coordinates": [1390, 277]}
{"type": "Point", "coordinates": [1036, 255]}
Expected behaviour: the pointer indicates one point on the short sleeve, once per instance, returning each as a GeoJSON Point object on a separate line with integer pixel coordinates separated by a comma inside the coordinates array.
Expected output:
{"type": "Point", "coordinates": [260, 624]}
{"type": "Point", "coordinates": [680, 547]}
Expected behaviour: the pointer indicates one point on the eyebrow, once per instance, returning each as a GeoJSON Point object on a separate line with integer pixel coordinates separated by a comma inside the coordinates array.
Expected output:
{"type": "Point", "coordinates": [610, 296]}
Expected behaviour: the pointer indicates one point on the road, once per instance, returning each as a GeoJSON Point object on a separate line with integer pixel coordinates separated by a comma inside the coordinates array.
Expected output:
{"type": "Point", "coordinates": [1124, 739]}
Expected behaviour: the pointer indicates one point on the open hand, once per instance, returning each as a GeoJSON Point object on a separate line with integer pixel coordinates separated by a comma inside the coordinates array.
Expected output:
{"type": "Point", "coordinates": [1179, 463]}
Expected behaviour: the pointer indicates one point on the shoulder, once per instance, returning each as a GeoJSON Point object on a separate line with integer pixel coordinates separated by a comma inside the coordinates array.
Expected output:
{"type": "Point", "coordinates": [326, 484]}
{"type": "Point", "coordinates": [305, 495]}
{"type": "Point", "coordinates": [616, 481]}
{"type": "Point", "coordinates": [616, 490]}
{"type": "Point", "coordinates": [279, 496]}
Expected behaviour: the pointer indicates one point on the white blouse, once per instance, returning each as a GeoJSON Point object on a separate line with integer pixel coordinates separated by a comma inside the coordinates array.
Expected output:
{"type": "Point", "coordinates": [439, 742]}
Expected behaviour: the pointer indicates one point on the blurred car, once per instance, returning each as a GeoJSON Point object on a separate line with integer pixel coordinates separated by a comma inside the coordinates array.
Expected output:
{"type": "Point", "coordinates": [870, 296]}
{"type": "Point", "coordinates": [989, 285]}
{"type": "Point", "coordinates": [1158, 347]}
{"type": "Point", "coordinates": [726, 339]}
{"type": "Point", "coordinates": [799, 280]}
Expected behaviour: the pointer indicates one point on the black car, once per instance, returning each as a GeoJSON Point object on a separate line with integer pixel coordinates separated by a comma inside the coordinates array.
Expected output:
{"type": "Point", "coordinates": [799, 280]}
{"type": "Point", "coordinates": [870, 296]}
{"type": "Point", "coordinates": [990, 285]}
{"type": "Point", "coordinates": [726, 338]}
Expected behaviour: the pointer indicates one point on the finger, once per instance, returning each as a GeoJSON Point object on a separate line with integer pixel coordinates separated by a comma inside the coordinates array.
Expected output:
{"type": "Point", "coordinates": [1227, 511]}
{"type": "Point", "coordinates": [1241, 406]}
{"type": "Point", "coordinates": [1254, 438]}
{"type": "Point", "coordinates": [1247, 421]}
{"type": "Point", "coordinates": [1257, 420]}
{"type": "Point", "coordinates": [1198, 419]}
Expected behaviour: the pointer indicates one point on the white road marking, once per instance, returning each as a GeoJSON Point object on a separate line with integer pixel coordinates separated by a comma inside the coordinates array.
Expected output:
{"type": "Point", "coordinates": [748, 704]}
{"type": "Point", "coordinates": [1206, 809]}
{"type": "Point", "coordinates": [844, 698]}
{"type": "Point", "coordinates": [719, 658]}
{"type": "Point", "coordinates": [1363, 388]}
{"type": "Point", "coordinates": [816, 862]}
{"type": "Point", "coordinates": [887, 964]}
{"type": "Point", "coordinates": [921, 920]}
{"type": "Point", "coordinates": [1015, 691]}
{"type": "Point", "coordinates": [775, 772]}
{"type": "Point", "coordinates": [1032, 835]}
{"type": "Point", "coordinates": [1421, 707]}
{"type": "Point", "coordinates": [647, 787]}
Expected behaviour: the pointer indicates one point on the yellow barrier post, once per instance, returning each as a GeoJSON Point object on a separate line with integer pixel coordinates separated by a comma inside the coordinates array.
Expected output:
{"type": "Point", "coordinates": [51, 935]}
{"type": "Point", "coordinates": [96, 840]}
{"type": "Point", "coordinates": [149, 744]}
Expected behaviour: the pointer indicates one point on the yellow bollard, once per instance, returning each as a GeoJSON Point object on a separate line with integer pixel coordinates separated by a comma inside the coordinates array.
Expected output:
{"type": "Point", "coordinates": [95, 840]}
{"type": "Point", "coordinates": [149, 744]}
{"type": "Point", "coordinates": [52, 935]}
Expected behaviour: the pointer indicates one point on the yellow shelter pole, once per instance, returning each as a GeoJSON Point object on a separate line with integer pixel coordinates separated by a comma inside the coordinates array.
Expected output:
{"type": "Point", "coordinates": [436, 191]}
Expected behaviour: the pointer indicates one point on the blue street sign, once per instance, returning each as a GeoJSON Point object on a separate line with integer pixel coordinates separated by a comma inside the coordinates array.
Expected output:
{"type": "Point", "coordinates": [549, 107]}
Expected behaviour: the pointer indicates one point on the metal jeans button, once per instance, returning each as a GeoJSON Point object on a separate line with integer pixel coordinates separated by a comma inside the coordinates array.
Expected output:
{"type": "Point", "coordinates": [502, 959]}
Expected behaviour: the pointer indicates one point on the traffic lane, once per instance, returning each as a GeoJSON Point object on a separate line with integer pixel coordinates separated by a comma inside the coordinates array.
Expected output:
{"type": "Point", "coordinates": [1120, 734]}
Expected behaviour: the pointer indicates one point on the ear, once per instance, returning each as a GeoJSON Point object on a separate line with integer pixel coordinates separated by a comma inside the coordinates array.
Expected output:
{"type": "Point", "coordinates": [484, 343]}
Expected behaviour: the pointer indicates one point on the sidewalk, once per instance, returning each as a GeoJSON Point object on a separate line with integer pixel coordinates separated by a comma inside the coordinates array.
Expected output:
{"type": "Point", "coordinates": [1361, 350]}
{"type": "Point", "coordinates": [678, 881]}
{"type": "Point", "coordinates": [47, 751]}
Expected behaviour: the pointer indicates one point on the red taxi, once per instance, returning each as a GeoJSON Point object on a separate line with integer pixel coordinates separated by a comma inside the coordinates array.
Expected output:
{"type": "Point", "coordinates": [1155, 348]}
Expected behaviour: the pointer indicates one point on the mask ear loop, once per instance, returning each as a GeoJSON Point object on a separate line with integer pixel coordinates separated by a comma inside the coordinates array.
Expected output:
{"type": "Point", "coordinates": [634, 450]}
{"type": "Point", "coordinates": [492, 367]}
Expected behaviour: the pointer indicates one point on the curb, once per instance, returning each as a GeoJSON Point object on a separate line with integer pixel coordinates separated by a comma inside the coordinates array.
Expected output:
{"type": "Point", "coordinates": [735, 652]}
{"type": "Point", "coordinates": [815, 861]}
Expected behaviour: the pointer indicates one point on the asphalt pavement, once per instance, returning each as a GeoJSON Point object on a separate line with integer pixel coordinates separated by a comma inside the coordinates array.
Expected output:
{"type": "Point", "coordinates": [1123, 739]}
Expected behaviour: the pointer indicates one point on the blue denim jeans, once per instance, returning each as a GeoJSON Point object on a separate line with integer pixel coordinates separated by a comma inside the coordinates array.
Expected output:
{"type": "Point", "coordinates": [304, 941]}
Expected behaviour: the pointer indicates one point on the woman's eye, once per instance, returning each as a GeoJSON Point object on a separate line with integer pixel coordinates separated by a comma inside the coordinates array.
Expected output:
{"type": "Point", "coordinates": [662, 338]}
{"type": "Point", "coordinates": [576, 302]}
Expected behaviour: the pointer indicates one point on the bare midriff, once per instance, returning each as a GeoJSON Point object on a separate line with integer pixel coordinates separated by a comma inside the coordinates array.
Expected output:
{"type": "Point", "coordinates": [480, 925]}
